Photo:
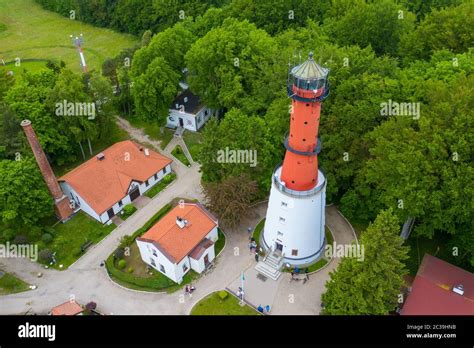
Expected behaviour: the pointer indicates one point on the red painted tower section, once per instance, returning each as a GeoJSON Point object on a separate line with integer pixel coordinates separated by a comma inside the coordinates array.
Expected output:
{"type": "Point", "coordinates": [307, 90]}
{"type": "Point", "coordinates": [61, 202]}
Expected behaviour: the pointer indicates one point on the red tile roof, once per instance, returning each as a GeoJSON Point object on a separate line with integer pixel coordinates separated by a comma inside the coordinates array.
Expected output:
{"type": "Point", "coordinates": [176, 242]}
{"type": "Point", "coordinates": [432, 292]}
{"type": "Point", "coordinates": [67, 308]}
{"type": "Point", "coordinates": [102, 183]}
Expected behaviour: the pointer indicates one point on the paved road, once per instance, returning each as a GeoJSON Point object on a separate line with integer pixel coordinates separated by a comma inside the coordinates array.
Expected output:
{"type": "Point", "coordinates": [87, 281]}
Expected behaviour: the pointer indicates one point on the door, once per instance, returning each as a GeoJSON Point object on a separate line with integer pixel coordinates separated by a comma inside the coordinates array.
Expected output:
{"type": "Point", "coordinates": [181, 122]}
{"type": "Point", "coordinates": [278, 247]}
{"type": "Point", "coordinates": [135, 193]}
{"type": "Point", "coordinates": [110, 213]}
{"type": "Point", "coordinates": [206, 260]}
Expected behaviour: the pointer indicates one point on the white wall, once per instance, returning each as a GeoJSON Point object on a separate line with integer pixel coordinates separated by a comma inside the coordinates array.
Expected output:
{"type": "Point", "coordinates": [104, 217]}
{"type": "Point", "coordinates": [146, 252]}
{"type": "Point", "coordinates": [198, 265]}
{"type": "Point", "coordinates": [190, 121]}
{"type": "Point", "coordinates": [303, 228]}
{"type": "Point", "coordinates": [72, 194]}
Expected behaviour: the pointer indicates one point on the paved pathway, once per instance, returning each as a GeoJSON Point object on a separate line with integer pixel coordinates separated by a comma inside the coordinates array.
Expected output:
{"type": "Point", "coordinates": [87, 281]}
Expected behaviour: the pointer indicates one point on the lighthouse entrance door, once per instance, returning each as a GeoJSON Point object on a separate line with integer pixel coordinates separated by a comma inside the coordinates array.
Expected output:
{"type": "Point", "coordinates": [278, 247]}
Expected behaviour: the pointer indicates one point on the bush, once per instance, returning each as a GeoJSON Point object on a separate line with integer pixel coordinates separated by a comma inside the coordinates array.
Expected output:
{"type": "Point", "coordinates": [223, 294]}
{"type": "Point", "coordinates": [20, 239]}
{"type": "Point", "coordinates": [35, 233]}
{"type": "Point", "coordinates": [46, 238]}
{"type": "Point", "coordinates": [122, 264]}
{"type": "Point", "coordinates": [125, 241]}
{"type": "Point", "coordinates": [128, 210]}
{"type": "Point", "coordinates": [8, 234]}
{"type": "Point", "coordinates": [119, 253]}
{"type": "Point", "coordinates": [77, 252]}
{"type": "Point", "coordinates": [46, 255]}
{"type": "Point", "coordinates": [130, 270]}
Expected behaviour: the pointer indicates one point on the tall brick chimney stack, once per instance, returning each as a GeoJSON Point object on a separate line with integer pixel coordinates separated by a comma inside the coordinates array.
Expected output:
{"type": "Point", "coordinates": [61, 202]}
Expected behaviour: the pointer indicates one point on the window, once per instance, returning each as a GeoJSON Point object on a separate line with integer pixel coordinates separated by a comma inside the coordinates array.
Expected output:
{"type": "Point", "coordinates": [279, 234]}
{"type": "Point", "coordinates": [185, 268]}
{"type": "Point", "coordinates": [152, 262]}
{"type": "Point", "coordinates": [156, 176]}
{"type": "Point", "coordinates": [146, 183]}
{"type": "Point", "coordinates": [282, 220]}
{"type": "Point", "coordinates": [162, 268]}
{"type": "Point", "coordinates": [199, 119]}
{"type": "Point", "coordinates": [294, 252]}
{"type": "Point", "coordinates": [154, 253]}
{"type": "Point", "coordinates": [120, 203]}
{"type": "Point", "coordinates": [284, 204]}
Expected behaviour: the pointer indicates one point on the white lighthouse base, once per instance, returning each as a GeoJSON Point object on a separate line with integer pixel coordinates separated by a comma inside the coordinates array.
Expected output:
{"type": "Point", "coordinates": [295, 221]}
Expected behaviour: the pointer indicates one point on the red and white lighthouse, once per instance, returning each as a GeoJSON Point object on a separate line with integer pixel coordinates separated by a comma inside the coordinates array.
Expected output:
{"type": "Point", "coordinates": [294, 226]}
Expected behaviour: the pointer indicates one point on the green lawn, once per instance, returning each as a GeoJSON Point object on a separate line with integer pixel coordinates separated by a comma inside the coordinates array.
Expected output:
{"type": "Point", "coordinates": [220, 242]}
{"type": "Point", "coordinates": [71, 235]}
{"type": "Point", "coordinates": [29, 32]}
{"type": "Point", "coordinates": [153, 130]}
{"type": "Point", "coordinates": [214, 305]}
{"type": "Point", "coordinates": [179, 154]}
{"type": "Point", "coordinates": [135, 275]}
{"type": "Point", "coordinates": [10, 284]}
{"type": "Point", "coordinates": [193, 141]}
{"type": "Point", "coordinates": [34, 66]}
{"type": "Point", "coordinates": [161, 185]}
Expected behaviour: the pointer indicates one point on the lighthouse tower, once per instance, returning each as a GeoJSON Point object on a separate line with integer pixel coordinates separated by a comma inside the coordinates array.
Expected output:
{"type": "Point", "coordinates": [294, 227]}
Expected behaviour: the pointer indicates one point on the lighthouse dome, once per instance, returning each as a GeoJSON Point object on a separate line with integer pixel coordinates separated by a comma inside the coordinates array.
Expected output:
{"type": "Point", "coordinates": [309, 75]}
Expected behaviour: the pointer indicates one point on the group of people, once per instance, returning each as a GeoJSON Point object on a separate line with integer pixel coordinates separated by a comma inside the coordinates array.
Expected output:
{"type": "Point", "coordinates": [189, 289]}
{"type": "Point", "coordinates": [263, 310]}
{"type": "Point", "coordinates": [295, 271]}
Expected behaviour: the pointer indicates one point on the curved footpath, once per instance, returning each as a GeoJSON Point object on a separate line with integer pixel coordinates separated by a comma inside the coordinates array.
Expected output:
{"type": "Point", "coordinates": [87, 281]}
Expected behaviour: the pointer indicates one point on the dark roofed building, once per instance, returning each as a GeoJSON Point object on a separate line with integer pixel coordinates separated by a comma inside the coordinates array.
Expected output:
{"type": "Point", "coordinates": [187, 111]}
{"type": "Point", "coordinates": [440, 288]}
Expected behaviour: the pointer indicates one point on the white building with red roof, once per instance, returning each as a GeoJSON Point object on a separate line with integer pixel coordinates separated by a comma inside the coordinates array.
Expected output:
{"type": "Point", "coordinates": [182, 240]}
{"type": "Point", "coordinates": [104, 184]}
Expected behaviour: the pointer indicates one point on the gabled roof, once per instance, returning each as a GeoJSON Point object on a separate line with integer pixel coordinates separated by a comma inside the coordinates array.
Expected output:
{"type": "Point", "coordinates": [432, 291]}
{"type": "Point", "coordinates": [67, 308]}
{"type": "Point", "coordinates": [102, 183]}
{"type": "Point", "coordinates": [175, 242]}
{"type": "Point", "coordinates": [190, 102]}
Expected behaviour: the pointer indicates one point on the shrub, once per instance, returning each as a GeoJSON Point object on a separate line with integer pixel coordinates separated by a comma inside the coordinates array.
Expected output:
{"type": "Point", "coordinates": [35, 233]}
{"type": "Point", "coordinates": [46, 238]}
{"type": "Point", "coordinates": [8, 234]}
{"type": "Point", "coordinates": [128, 210]}
{"type": "Point", "coordinates": [20, 239]}
{"type": "Point", "coordinates": [119, 253]}
{"type": "Point", "coordinates": [130, 270]}
{"type": "Point", "coordinates": [223, 294]}
{"type": "Point", "coordinates": [46, 255]}
{"type": "Point", "coordinates": [126, 241]}
{"type": "Point", "coordinates": [122, 264]}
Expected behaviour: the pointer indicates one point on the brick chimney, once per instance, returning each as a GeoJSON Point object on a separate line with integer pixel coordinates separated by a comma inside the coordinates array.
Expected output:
{"type": "Point", "coordinates": [61, 201]}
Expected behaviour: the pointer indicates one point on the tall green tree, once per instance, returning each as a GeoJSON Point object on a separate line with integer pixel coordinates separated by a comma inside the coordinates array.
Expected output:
{"type": "Point", "coordinates": [24, 198]}
{"type": "Point", "coordinates": [371, 285]}
{"type": "Point", "coordinates": [154, 90]}
{"type": "Point", "coordinates": [232, 66]}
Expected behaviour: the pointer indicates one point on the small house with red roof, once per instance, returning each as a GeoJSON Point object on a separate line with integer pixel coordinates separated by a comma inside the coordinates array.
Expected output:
{"type": "Point", "coordinates": [440, 288]}
{"type": "Point", "coordinates": [67, 308]}
{"type": "Point", "coordinates": [183, 239]}
{"type": "Point", "coordinates": [104, 184]}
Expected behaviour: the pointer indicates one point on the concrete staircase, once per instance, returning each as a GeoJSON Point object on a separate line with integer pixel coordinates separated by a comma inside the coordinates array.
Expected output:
{"type": "Point", "coordinates": [270, 266]}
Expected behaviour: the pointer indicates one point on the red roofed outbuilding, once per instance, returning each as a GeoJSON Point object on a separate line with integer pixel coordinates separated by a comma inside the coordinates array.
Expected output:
{"type": "Point", "coordinates": [440, 288]}
{"type": "Point", "coordinates": [182, 240]}
{"type": "Point", "coordinates": [104, 184]}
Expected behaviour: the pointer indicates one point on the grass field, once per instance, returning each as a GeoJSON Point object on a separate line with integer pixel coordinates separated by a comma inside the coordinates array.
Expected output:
{"type": "Point", "coordinates": [71, 235]}
{"type": "Point", "coordinates": [193, 141]}
{"type": "Point", "coordinates": [215, 305]}
{"type": "Point", "coordinates": [29, 32]}
{"type": "Point", "coordinates": [10, 284]}
{"type": "Point", "coordinates": [179, 154]}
